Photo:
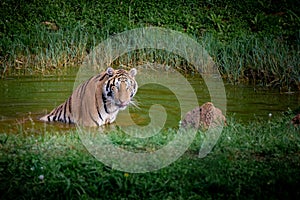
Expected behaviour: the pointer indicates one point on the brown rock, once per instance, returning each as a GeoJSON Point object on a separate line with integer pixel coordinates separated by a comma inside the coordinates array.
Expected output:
{"type": "Point", "coordinates": [204, 116]}
{"type": "Point", "coordinates": [51, 25]}
{"type": "Point", "coordinates": [296, 120]}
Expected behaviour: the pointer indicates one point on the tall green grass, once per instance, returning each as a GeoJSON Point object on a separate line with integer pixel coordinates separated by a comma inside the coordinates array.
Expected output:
{"type": "Point", "coordinates": [255, 41]}
{"type": "Point", "coordinates": [267, 61]}
{"type": "Point", "coordinates": [42, 51]}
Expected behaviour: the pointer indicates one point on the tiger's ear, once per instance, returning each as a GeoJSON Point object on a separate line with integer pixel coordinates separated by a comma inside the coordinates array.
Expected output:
{"type": "Point", "coordinates": [133, 72]}
{"type": "Point", "coordinates": [110, 71]}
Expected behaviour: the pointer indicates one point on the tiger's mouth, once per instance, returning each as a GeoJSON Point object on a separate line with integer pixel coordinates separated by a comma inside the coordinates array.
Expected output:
{"type": "Point", "coordinates": [122, 106]}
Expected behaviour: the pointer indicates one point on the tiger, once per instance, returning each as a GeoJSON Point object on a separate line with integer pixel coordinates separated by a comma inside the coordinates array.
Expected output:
{"type": "Point", "coordinates": [98, 100]}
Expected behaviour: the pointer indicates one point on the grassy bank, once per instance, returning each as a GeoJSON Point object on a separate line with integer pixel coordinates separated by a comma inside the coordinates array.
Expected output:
{"type": "Point", "coordinates": [253, 161]}
{"type": "Point", "coordinates": [249, 40]}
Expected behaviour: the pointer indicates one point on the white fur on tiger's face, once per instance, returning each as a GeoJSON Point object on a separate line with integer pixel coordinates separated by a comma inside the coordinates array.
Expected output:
{"type": "Point", "coordinates": [98, 100]}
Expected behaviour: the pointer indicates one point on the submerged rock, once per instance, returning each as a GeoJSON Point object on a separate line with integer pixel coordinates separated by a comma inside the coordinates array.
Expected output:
{"type": "Point", "coordinates": [203, 117]}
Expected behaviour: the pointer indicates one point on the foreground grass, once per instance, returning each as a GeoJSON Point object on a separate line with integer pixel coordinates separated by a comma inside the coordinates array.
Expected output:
{"type": "Point", "coordinates": [253, 161]}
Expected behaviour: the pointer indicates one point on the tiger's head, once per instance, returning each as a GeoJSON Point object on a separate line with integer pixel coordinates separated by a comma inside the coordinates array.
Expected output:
{"type": "Point", "coordinates": [120, 88]}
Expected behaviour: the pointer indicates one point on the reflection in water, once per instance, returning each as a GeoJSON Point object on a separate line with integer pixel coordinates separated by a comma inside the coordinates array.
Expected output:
{"type": "Point", "coordinates": [25, 99]}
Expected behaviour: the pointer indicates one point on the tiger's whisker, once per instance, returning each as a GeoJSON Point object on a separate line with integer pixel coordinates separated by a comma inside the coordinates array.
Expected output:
{"type": "Point", "coordinates": [135, 104]}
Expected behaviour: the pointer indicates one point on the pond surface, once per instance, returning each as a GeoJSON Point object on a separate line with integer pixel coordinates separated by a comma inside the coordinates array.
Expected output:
{"type": "Point", "coordinates": [25, 99]}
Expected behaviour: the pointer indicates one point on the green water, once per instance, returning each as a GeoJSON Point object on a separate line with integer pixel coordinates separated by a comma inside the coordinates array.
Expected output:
{"type": "Point", "coordinates": [25, 99]}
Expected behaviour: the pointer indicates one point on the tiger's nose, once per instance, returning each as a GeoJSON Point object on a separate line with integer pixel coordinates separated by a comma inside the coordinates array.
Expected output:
{"type": "Point", "coordinates": [123, 103]}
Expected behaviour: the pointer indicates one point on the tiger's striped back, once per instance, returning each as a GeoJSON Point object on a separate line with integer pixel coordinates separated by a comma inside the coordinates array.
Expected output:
{"type": "Point", "coordinates": [98, 100]}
